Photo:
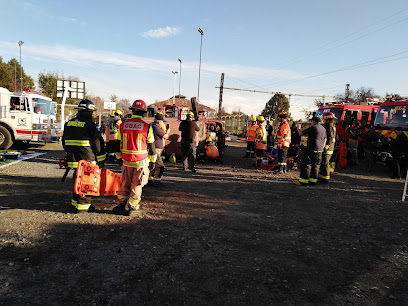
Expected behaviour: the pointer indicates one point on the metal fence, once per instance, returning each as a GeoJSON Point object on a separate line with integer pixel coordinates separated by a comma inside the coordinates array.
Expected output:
{"type": "Point", "coordinates": [236, 125]}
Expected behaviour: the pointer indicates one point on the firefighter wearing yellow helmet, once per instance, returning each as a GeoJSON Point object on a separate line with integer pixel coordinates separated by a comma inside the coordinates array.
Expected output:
{"type": "Point", "coordinates": [260, 137]}
{"type": "Point", "coordinates": [251, 135]}
{"type": "Point", "coordinates": [111, 134]}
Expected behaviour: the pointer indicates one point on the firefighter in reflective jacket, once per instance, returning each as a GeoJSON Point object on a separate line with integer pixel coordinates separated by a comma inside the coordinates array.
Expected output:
{"type": "Point", "coordinates": [330, 126]}
{"type": "Point", "coordinates": [283, 137]}
{"type": "Point", "coordinates": [261, 137]}
{"type": "Point", "coordinates": [111, 134]}
{"type": "Point", "coordinates": [82, 140]}
{"type": "Point", "coordinates": [137, 150]}
{"type": "Point", "coordinates": [251, 135]}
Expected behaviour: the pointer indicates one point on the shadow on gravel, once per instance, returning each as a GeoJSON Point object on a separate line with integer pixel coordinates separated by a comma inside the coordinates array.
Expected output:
{"type": "Point", "coordinates": [211, 238]}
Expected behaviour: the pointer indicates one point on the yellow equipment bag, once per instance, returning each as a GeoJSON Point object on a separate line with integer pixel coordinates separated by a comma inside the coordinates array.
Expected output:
{"type": "Point", "coordinates": [172, 158]}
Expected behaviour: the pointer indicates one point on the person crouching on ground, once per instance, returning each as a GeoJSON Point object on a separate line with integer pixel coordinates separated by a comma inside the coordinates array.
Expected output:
{"type": "Point", "coordinates": [136, 149]}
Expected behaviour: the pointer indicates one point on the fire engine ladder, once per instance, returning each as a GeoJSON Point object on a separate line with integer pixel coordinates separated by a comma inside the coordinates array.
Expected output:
{"type": "Point", "coordinates": [404, 194]}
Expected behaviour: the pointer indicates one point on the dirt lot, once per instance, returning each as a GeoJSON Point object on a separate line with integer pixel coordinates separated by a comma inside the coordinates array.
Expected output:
{"type": "Point", "coordinates": [228, 234]}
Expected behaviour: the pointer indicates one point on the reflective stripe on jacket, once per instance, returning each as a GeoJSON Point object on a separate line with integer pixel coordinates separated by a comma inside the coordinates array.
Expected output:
{"type": "Point", "coordinates": [134, 136]}
{"type": "Point", "coordinates": [261, 138]}
{"type": "Point", "coordinates": [112, 128]}
{"type": "Point", "coordinates": [284, 134]}
{"type": "Point", "coordinates": [251, 132]}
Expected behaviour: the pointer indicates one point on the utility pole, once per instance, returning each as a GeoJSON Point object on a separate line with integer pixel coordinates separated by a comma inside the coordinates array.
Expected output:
{"type": "Point", "coordinates": [347, 93]}
{"type": "Point", "coordinates": [220, 100]}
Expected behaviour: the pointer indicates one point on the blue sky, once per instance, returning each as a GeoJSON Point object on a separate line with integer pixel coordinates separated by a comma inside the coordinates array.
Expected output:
{"type": "Point", "coordinates": [130, 48]}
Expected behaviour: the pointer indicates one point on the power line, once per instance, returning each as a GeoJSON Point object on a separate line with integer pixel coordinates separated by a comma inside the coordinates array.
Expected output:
{"type": "Point", "coordinates": [350, 41]}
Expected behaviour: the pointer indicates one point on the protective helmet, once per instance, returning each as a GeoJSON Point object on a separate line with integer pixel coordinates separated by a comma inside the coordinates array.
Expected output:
{"type": "Point", "coordinates": [328, 115]}
{"type": "Point", "coordinates": [86, 105]}
{"type": "Point", "coordinates": [260, 118]}
{"type": "Point", "coordinates": [112, 113]}
{"type": "Point", "coordinates": [119, 112]}
{"type": "Point", "coordinates": [253, 118]}
{"type": "Point", "coordinates": [139, 105]}
{"type": "Point", "coordinates": [283, 114]}
{"type": "Point", "coordinates": [190, 114]}
{"type": "Point", "coordinates": [208, 139]}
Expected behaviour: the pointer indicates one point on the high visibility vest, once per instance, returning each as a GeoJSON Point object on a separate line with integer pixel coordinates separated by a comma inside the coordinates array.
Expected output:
{"type": "Point", "coordinates": [284, 134]}
{"type": "Point", "coordinates": [331, 138]}
{"type": "Point", "coordinates": [261, 139]}
{"type": "Point", "coordinates": [133, 135]}
{"type": "Point", "coordinates": [251, 132]}
{"type": "Point", "coordinates": [112, 128]}
{"type": "Point", "coordinates": [211, 151]}
{"type": "Point", "coordinates": [163, 128]}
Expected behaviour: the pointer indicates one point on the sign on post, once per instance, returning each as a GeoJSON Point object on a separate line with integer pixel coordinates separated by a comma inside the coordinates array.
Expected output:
{"type": "Point", "coordinates": [76, 91]}
{"type": "Point", "coordinates": [109, 105]}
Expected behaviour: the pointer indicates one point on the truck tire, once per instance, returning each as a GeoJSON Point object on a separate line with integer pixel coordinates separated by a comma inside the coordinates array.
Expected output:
{"type": "Point", "coordinates": [5, 138]}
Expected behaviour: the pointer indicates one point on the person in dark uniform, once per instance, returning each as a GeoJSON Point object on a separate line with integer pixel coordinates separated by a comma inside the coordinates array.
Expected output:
{"type": "Point", "coordinates": [311, 159]}
{"type": "Point", "coordinates": [399, 147]}
{"type": "Point", "coordinates": [188, 130]}
{"type": "Point", "coordinates": [82, 141]}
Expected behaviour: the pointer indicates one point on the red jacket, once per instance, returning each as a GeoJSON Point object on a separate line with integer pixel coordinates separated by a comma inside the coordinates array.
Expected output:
{"type": "Point", "coordinates": [135, 134]}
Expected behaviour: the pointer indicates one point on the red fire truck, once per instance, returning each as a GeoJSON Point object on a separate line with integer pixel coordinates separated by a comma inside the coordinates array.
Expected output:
{"type": "Point", "coordinates": [346, 113]}
{"type": "Point", "coordinates": [390, 115]}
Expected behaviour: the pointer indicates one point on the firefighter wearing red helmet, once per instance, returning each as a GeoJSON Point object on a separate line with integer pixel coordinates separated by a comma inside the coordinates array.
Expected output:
{"type": "Point", "coordinates": [283, 137]}
{"type": "Point", "coordinates": [330, 126]}
{"type": "Point", "coordinates": [82, 141]}
{"type": "Point", "coordinates": [136, 148]}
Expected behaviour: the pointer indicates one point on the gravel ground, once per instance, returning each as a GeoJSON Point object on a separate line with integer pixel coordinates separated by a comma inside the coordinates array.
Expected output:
{"type": "Point", "coordinates": [228, 234]}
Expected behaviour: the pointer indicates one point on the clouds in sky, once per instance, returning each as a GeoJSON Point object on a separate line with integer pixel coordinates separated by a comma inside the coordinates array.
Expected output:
{"type": "Point", "coordinates": [161, 32]}
{"type": "Point", "coordinates": [107, 70]}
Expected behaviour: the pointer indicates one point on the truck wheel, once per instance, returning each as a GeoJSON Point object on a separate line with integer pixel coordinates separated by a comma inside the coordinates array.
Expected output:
{"type": "Point", "coordinates": [5, 138]}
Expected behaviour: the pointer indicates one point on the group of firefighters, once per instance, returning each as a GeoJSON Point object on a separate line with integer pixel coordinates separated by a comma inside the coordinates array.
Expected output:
{"type": "Point", "coordinates": [131, 142]}
{"type": "Point", "coordinates": [137, 146]}
{"type": "Point", "coordinates": [316, 159]}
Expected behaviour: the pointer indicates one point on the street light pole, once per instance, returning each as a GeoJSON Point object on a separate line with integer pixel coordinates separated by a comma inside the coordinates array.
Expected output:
{"type": "Point", "coordinates": [20, 43]}
{"type": "Point", "coordinates": [179, 85]}
{"type": "Point", "coordinates": [200, 30]}
{"type": "Point", "coordinates": [174, 87]}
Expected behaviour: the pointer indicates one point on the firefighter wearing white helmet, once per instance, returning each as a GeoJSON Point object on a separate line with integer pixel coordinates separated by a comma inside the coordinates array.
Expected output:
{"type": "Point", "coordinates": [82, 140]}
{"type": "Point", "coordinates": [111, 134]}
{"type": "Point", "coordinates": [136, 148]}
{"type": "Point", "coordinates": [330, 126]}
{"type": "Point", "coordinates": [251, 135]}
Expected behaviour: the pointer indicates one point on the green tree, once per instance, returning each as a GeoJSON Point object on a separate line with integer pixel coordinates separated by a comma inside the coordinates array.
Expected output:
{"type": "Point", "coordinates": [47, 82]}
{"type": "Point", "coordinates": [6, 78]}
{"type": "Point", "coordinates": [276, 104]}
{"type": "Point", "coordinates": [15, 68]}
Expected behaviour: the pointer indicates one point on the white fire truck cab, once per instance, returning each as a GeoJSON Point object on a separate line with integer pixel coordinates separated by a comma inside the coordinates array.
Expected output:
{"type": "Point", "coordinates": [25, 116]}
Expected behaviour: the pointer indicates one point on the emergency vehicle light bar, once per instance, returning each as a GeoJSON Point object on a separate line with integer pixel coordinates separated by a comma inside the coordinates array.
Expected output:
{"type": "Point", "coordinates": [337, 103]}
